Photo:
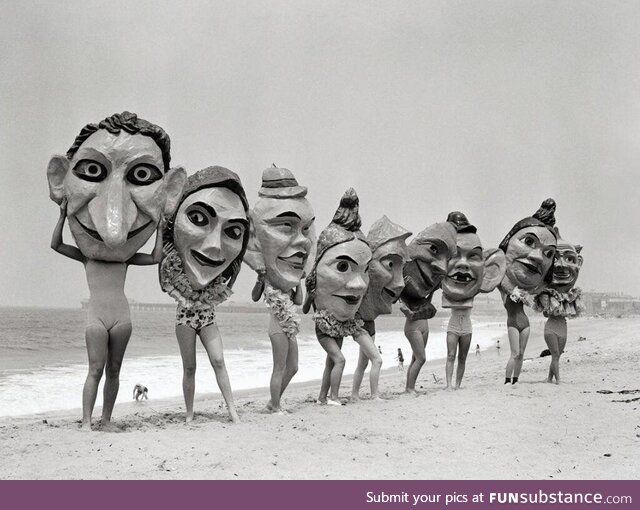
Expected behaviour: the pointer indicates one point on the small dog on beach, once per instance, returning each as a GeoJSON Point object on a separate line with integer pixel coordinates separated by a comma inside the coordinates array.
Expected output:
{"type": "Point", "coordinates": [140, 392]}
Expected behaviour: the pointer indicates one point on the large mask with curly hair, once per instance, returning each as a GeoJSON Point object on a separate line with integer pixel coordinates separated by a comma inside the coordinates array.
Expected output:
{"type": "Point", "coordinates": [530, 247]}
{"type": "Point", "coordinates": [118, 184]}
{"type": "Point", "coordinates": [208, 234]}
{"type": "Point", "coordinates": [339, 278]}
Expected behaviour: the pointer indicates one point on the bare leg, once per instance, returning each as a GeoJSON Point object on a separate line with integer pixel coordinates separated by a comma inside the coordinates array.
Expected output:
{"type": "Point", "coordinates": [280, 351]}
{"type": "Point", "coordinates": [292, 365]}
{"type": "Point", "coordinates": [368, 348]}
{"type": "Point", "coordinates": [332, 346]}
{"type": "Point", "coordinates": [524, 338]}
{"type": "Point", "coordinates": [326, 380]}
{"type": "Point", "coordinates": [562, 342]}
{"type": "Point", "coordinates": [97, 340]}
{"type": "Point", "coordinates": [187, 342]}
{"type": "Point", "coordinates": [417, 332]}
{"type": "Point", "coordinates": [210, 336]}
{"type": "Point", "coordinates": [118, 339]}
{"type": "Point", "coordinates": [514, 345]}
{"type": "Point", "coordinates": [465, 344]}
{"type": "Point", "coordinates": [452, 348]}
{"type": "Point", "coordinates": [358, 375]}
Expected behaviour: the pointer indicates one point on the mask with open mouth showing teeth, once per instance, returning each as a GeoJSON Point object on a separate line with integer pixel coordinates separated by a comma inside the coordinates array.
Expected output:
{"type": "Point", "coordinates": [210, 230]}
{"type": "Point", "coordinates": [429, 253]}
{"type": "Point", "coordinates": [566, 266]}
{"type": "Point", "coordinates": [339, 278]}
{"type": "Point", "coordinates": [387, 242]}
{"type": "Point", "coordinates": [282, 223]}
{"type": "Point", "coordinates": [530, 247]}
{"type": "Point", "coordinates": [118, 184]}
{"type": "Point", "coordinates": [472, 269]}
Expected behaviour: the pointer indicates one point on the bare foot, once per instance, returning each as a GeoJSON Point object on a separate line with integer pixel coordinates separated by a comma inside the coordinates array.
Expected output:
{"type": "Point", "coordinates": [355, 397]}
{"type": "Point", "coordinates": [411, 391]}
{"type": "Point", "coordinates": [86, 426]}
{"type": "Point", "coordinates": [448, 388]}
{"type": "Point", "coordinates": [109, 426]}
{"type": "Point", "coordinates": [332, 402]}
{"type": "Point", "coordinates": [376, 398]}
{"type": "Point", "coordinates": [234, 416]}
{"type": "Point", "coordinates": [188, 418]}
{"type": "Point", "coordinates": [321, 402]}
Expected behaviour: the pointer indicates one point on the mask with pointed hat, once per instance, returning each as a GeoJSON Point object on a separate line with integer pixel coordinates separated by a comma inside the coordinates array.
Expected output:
{"type": "Point", "coordinates": [338, 281]}
{"type": "Point", "coordinates": [387, 241]}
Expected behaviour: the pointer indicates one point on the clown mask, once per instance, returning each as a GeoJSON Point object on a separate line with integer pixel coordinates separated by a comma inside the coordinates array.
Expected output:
{"type": "Point", "coordinates": [529, 255]}
{"type": "Point", "coordinates": [117, 192]}
{"type": "Point", "coordinates": [342, 278]}
{"type": "Point", "coordinates": [208, 233]}
{"type": "Point", "coordinates": [566, 266]}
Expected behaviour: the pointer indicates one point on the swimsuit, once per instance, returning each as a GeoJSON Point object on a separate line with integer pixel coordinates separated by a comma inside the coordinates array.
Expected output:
{"type": "Point", "coordinates": [108, 306]}
{"type": "Point", "coordinates": [516, 318]}
{"type": "Point", "coordinates": [196, 317]}
{"type": "Point", "coordinates": [460, 321]}
{"type": "Point", "coordinates": [557, 326]}
{"type": "Point", "coordinates": [369, 327]}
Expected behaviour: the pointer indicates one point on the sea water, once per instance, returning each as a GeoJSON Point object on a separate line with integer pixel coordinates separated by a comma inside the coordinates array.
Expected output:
{"type": "Point", "coordinates": [43, 357]}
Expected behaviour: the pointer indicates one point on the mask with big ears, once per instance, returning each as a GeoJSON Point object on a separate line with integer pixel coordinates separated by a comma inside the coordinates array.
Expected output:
{"type": "Point", "coordinates": [118, 185]}
{"type": "Point", "coordinates": [472, 270]}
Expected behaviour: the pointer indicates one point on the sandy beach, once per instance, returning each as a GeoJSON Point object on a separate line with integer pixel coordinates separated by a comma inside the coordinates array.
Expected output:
{"type": "Point", "coordinates": [486, 430]}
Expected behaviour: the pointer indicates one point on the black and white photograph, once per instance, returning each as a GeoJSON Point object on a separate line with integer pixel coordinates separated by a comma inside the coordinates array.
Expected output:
{"type": "Point", "coordinates": [320, 240]}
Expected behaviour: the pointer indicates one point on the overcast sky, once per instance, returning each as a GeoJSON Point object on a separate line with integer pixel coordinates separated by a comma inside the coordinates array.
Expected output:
{"type": "Point", "coordinates": [487, 107]}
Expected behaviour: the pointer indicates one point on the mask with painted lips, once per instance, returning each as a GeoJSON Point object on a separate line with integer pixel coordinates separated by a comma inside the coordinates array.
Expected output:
{"type": "Point", "coordinates": [116, 192]}
{"type": "Point", "coordinates": [285, 235]}
{"type": "Point", "coordinates": [342, 278]}
{"type": "Point", "coordinates": [529, 256]}
{"type": "Point", "coordinates": [208, 233]}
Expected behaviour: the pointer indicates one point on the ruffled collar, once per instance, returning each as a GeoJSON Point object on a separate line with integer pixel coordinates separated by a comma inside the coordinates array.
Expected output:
{"type": "Point", "coordinates": [283, 310]}
{"type": "Point", "coordinates": [328, 324]}
{"type": "Point", "coordinates": [552, 302]}
{"type": "Point", "coordinates": [174, 282]}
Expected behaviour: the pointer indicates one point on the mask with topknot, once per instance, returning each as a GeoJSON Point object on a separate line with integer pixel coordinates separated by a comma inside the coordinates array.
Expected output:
{"type": "Point", "coordinates": [338, 279]}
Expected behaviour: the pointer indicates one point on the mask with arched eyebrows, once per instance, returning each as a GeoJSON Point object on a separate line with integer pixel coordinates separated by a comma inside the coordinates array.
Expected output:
{"type": "Point", "coordinates": [566, 265]}
{"type": "Point", "coordinates": [117, 184]}
{"type": "Point", "coordinates": [282, 230]}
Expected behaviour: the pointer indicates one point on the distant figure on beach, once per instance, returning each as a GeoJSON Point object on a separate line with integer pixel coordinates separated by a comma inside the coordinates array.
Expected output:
{"type": "Point", "coordinates": [282, 236]}
{"type": "Point", "coordinates": [140, 392]}
{"type": "Point", "coordinates": [115, 187]}
{"type": "Point", "coordinates": [429, 253]}
{"type": "Point", "coordinates": [561, 300]}
{"type": "Point", "coordinates": [529, 248]}
{"type": "Point", "coordinates": [498, 346]}
{"type": "Point", "coordinates": [204, 243]}
{"type": "Point", "coordinates": [335, 287]}
{"type": "Point", "coordinates": [400, 359]}
{"type": "Point", "coordinates": [387, 242]}
{"type": "Point", "coordinates": [380, 349]}
{"type": "Point", "coordinates": [470, 271]}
